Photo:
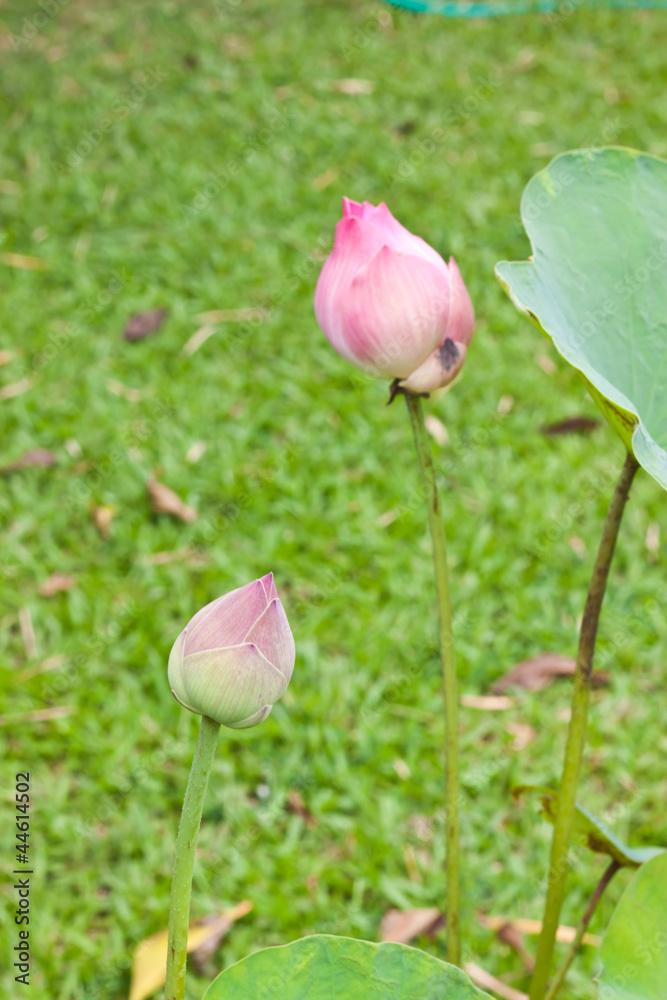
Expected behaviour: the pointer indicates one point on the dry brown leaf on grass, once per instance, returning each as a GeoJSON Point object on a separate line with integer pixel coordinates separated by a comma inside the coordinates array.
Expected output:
{"type": "Point", "coordinates": [124, 391]}
{"type": "Point", "coordinates": [57, 583]}
{"type": "Point", "coordinates": [150, 957]}
{"type": "Point", "coordinates": [352, 86]}
{"type": "Point", "coordinates": [402, 926]}
{"type": "Point", "coordinates": [487, 702]}
{"type": "Point", "coordinates": [298, 807]}
{"type": "Point", "coordinates": [572, 425]}
{"type": "Point", "coordinates": [523, 734]}
{"type": "Point", "coordinates": [50, 663]}
{"type": "Point", "coordinates": [102, 518]}
{"type": "Point", "coordinates": [165, 501]}
{"type": "Point", "coordinates": [524, 925]}
{"type": "Point", "coordinates": [509, 934]}
{"type": "Point", "coordinates": [24, 261]}
{"type": "Point", "coordinates": [324, 180]}
{"type": "Point", "coordinates": [142, 324]}
{"type": "Point", "coordinates": [16, 388]}
{"type": "Point", "coordinates": [486, 981]}
{"type": "Point", "coordinates": [540, 671]}
{"type": "Point", "coordinates": [436, 429]}
{"type": "Point", "coordinates": [34, 457]}
{"type": "Point", "coordinates": [232, 315]}
{"type": "Point", "coordinates": [41, 715]}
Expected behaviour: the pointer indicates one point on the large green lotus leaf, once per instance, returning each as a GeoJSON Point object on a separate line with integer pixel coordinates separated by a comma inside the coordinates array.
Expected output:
{"type": "Point", "coordinates": [634, 949]}
{"type": "Point", "coordinates": [324, 967]}
{"type": "Point", "coordinates": [591, 832]}
{"type": "Point", "coordinates": [597, 284]}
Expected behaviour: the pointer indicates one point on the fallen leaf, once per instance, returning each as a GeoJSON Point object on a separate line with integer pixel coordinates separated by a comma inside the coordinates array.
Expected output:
{"type": "Point", "coordinates": [36, 457]}
{"type": "Point", "coordinates": [195, 452]}
{"type": "Point", "coordinates": [436, 429]}
{"type": "Point", "coordinates": [16, 388]}
{"type": "Point", "coordinates": [50, 663]}
{"type": "Point", "coordinates": [57, 583]}
{"type": "Point", "coordinates": [27, 633]}
{"type": "Point", "coordinates": [22, 261]}
{"type": "Point", "coordinates": [352, 87]}
{"type": "Point", "coordinates": [486, 981]}
{"type": "Point", "coordinates": [298, 807]}
{"type": "Point", "coordinates": [564, 934]}
{"type": "Point", "coordinates": [523, 734]}
{"type": "Point", "coordinates": [571, 425]}
{"type": "Point", "coordinates": [487, 702]}
{"type": "Point", "coordinates": [509, 934]}
{"type": "Point", "coordinates": [325, 179]}
{"type": "Point", "coordinates": [231, 315]}
{"type": "Point", "coordinates": [402, 926]}
{"type": "Point", "coordinates": [505, 404]}
{"type": "Point", "coordinates": [578, 545]}
{"type": "Point", "coordinates": [141, 325]}
{"type": "Point", "coordinates": [543, 360]}
{"type": "Point", "coordinates": [165, 501]}
{"type": "Point", "coordinates": [653, 537]}
{"type": "Point", "coordinates": [402, 769]}
{"type": "Point", "coordinates": [41, 715]}
{"type": "Point", "coordinates": [124, 391]}
{"type": "Point", "coordinates": [384, 520]}
{"type": "Point", "coordinates": [102, 518]}
{"type": "Point", "coordinates": [540, 671]}
{"type": "Point", "coordinates": [197, 339]}
{"type": "Point", "coordinates": [5, 357]}
{"type": "Point", "coordinates": [150, 957]}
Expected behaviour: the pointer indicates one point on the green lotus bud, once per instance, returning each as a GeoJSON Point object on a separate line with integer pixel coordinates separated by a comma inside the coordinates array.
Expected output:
{"type": "Point", "coordinates": [235, 658]}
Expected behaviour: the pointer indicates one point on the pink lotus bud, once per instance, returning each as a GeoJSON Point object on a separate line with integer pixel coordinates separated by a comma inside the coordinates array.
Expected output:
{"type": "Point", "coordinates": [389, 304]}
{"type": "Point", "coordinates": [235, 658]}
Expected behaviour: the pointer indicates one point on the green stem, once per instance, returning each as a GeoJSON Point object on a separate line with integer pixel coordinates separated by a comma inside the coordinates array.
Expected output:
{"type": "Point", "coordinates": [184, 862]}
{"type": "Point", "coordinates": [449, 678]}
{"type": "Point", "coordinates": [576, 739]}
{"type": "Point", "coordinates": [559, 978]}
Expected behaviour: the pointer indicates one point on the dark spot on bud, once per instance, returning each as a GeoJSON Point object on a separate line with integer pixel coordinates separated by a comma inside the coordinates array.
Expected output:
{"type": "Point", "coordinates": [448, 355]}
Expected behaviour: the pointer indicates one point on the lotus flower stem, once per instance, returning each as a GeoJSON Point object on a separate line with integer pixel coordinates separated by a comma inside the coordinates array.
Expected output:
{"type": "Point", "coordinates": [448, 661]}
{"type": "Point", "coordinates": [596, 896]}
{"type": "Point", "coordinates": [576, 739]}
{"type": "Point", "coordinates": [184, 862]}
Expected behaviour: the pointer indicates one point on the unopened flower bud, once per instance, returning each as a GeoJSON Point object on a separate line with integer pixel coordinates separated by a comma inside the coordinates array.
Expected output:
{"type": "Point", "coordinates": [235, 658]}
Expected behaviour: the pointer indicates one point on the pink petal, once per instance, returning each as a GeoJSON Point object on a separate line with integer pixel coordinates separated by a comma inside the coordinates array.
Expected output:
{"type": "Point", "coordinates": [227, 620]}
{"type": "Point", "coordinates": [355, 244]}
{"type": "Point", "coordinates": [440, 368]}
{"type": "Point", "coordinates": [269, 586]}
{"type": "Point", "coordinates": [461, 325]}
{"type": "Point", "coordinates": [272, 635]}
{"type": "Point", "coordinates": [394, 235]}
{"type": "Point", "coordinates": [175, 672]}
{"type": "Point", "coordinates": [395, 313]}
{"type": "Point", "coordinates": [231, 685]}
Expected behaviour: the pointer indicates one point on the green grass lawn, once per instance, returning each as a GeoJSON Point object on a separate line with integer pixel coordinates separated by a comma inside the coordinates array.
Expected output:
{"type": "Point", "coordinates": [192, 156]}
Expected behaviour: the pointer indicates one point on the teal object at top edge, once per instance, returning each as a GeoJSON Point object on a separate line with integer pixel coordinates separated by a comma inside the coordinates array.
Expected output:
{"type": "Point", "coordinates": [500, 8]}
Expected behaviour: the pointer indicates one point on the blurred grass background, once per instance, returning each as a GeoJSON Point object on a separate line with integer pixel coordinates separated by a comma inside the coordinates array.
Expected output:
{"type": "Point", "coordinates": [192, 156]}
